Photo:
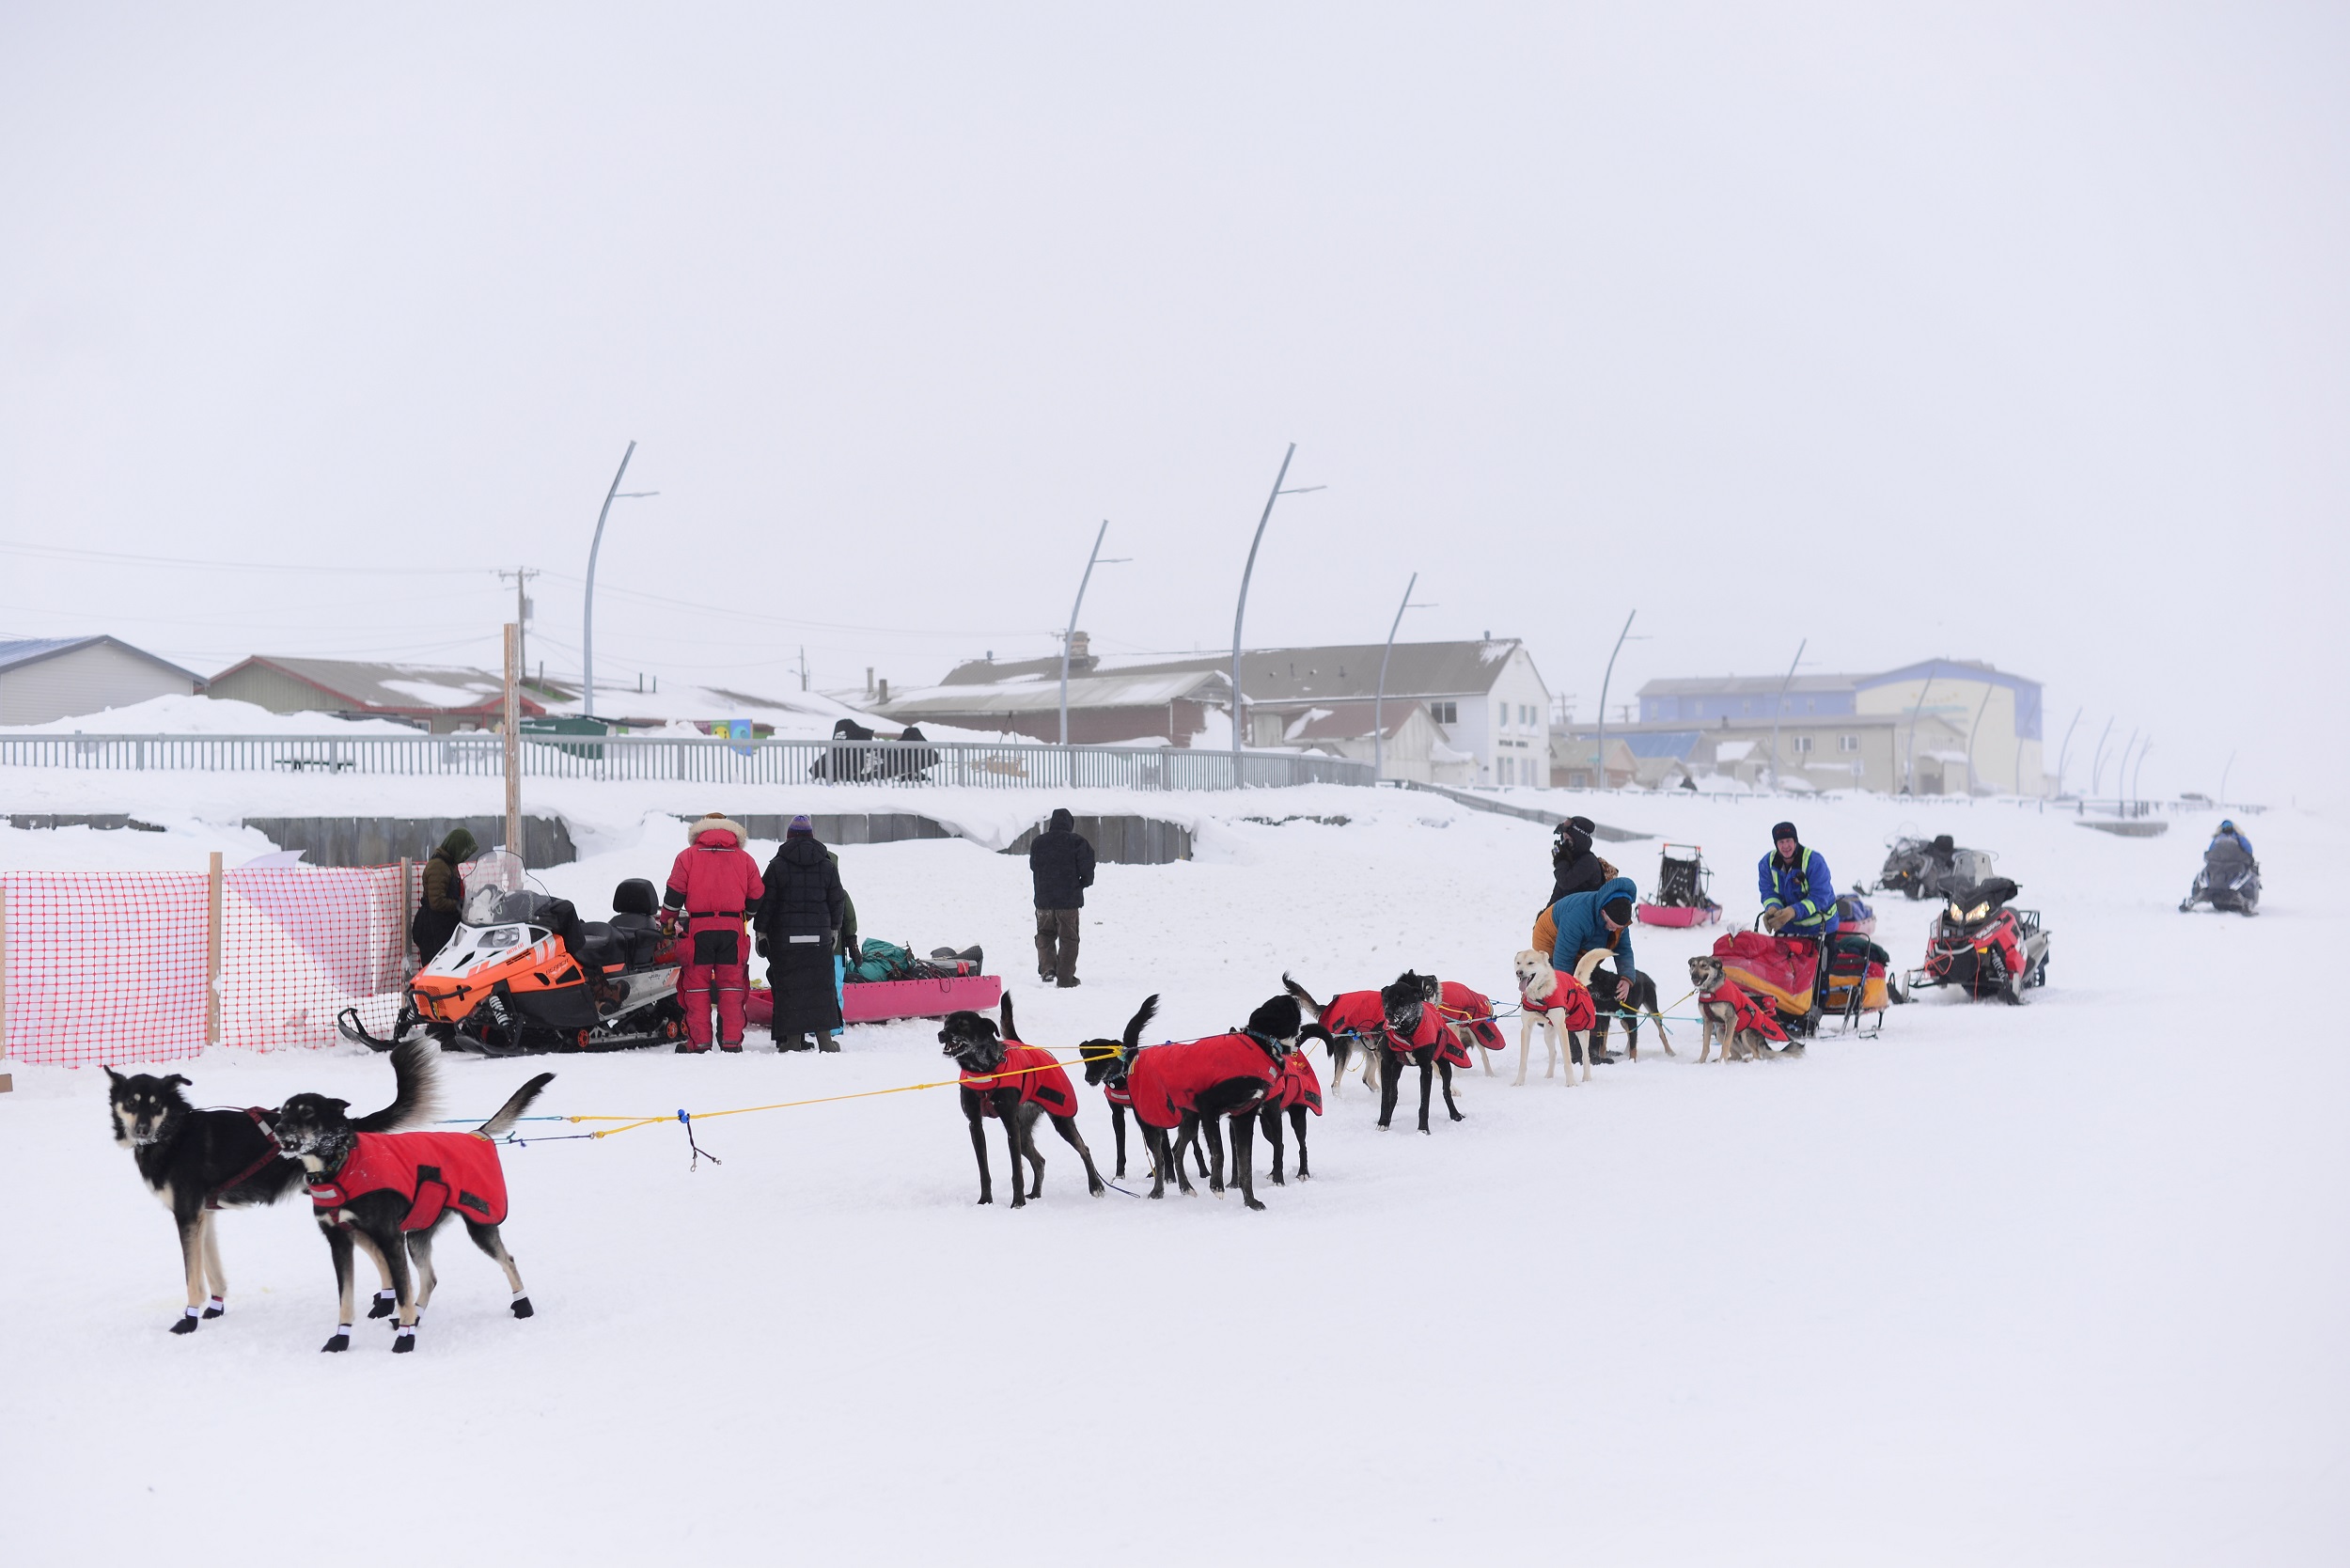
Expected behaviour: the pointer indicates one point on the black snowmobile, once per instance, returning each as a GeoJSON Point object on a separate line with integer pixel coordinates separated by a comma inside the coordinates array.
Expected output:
{"type": "Point", "coordinates": [1983, 947]}
{"type": "Point", "coordinates": [1933, 868]}
{"type": "Point", "coordinates": [2230, 880]}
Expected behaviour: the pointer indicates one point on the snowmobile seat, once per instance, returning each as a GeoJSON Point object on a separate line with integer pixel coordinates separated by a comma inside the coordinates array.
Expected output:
{"type": "Point", "coordinates": [600, 944]}
{"type": "Point", "coordinates": [635, 928]}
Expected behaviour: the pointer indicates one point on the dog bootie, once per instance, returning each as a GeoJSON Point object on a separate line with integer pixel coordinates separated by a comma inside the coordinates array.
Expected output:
{"type": "Point", "coordinates": [521, 1304]}
{"type": "Point", "coordinates": [405, 1340]}
{"type": "Point", "coordinates": [385, 1304]}
{"type": "Point", "coordinates": [339, 1339]}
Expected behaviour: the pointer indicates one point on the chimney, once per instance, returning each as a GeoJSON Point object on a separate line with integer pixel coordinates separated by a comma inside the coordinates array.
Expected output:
{"type": "Point", "coordinates": [1080, 647]}
{"type": "Point", "coordinates": [868, 681]}
{"type": "Point", "coordinates": [884, 688]}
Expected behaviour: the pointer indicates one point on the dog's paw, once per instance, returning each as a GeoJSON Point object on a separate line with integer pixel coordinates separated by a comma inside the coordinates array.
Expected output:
{"type": "Point", "coordinates": [185, 1326]}
{"type": "Point", "coordinates": [1254, 1203]}
{"type": "Point", "coordinates": [404, 1342]}
{"type": "Point", "coordinates": [217, 1308]}
{"type": "Point", "coordinates": [385, 1304]}
{"type": "Point", "coordinates": [1459, 1116]}
{"type": "Point", "coordinates": [341, 1341]}
{"type": "Point", "coordinates": [1096, 1189]}
{"type": "Point", "coordinates": [987, 1198]}
{"type": "Point", "coordinates": [522, 1307]}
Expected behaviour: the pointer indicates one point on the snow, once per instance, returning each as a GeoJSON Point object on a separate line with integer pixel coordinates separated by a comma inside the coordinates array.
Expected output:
{"type": "Point", "coordinates": [2058, 1284]}
{"type": "Point", "coordinates": [182, 715]}
{"type": "Point", "coordinates": [437, 694]}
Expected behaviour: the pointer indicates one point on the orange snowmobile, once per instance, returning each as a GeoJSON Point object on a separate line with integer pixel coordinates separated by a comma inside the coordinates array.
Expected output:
{"type": "Point", "coordinates": [524, 973]}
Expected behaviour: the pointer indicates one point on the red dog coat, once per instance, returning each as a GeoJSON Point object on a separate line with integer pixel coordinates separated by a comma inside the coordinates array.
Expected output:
{"type": "Point", "coordinates": [1297, 1084]}
{"type": "Point", "coordinates": [1751, 1013]}
{"type": "Point", "coordinates": [1033, 1071]}
{"type": "Point", "coordinates": [1568, 996]}
{"type": "Point", "coordinates": [1463, 1006]}
{"type": "Point", "coordinates": [431, 1170]}
{"type": "Point", "coordinates": [1363, 1015]}
{"type": "Point", "coordinates": [1167, 1080]}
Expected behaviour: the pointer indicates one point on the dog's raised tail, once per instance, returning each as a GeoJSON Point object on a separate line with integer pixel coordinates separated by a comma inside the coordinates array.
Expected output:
{"type": "Point", "coordinates": [1305, 997]}
{"type": "Point", "coordinates": [1135, 1025]}
{"type": "Point", "coordinates": [1003, 1019]}
{"type": "Point", "coordinates": [415, 1089]}
{"type": "Point", "coordinates": [511, 1112]}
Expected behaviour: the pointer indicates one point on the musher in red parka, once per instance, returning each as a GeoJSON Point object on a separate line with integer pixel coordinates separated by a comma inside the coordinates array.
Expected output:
{"type": "Point", "coordinates": [717, 885]}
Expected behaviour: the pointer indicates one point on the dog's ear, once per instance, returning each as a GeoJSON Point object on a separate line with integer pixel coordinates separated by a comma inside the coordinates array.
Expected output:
{"type": "Point", "coordinates": [176, 1081]}
{"type": "Point", "coordinates": [118, 1080]}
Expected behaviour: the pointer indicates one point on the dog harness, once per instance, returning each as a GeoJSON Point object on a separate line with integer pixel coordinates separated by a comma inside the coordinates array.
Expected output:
{"type": "Point", "coordinates": [1751, 1013]}
{"type": "Point", "coordinates": [1295, 1084]}
{"type": "Point", "coordinates": [1034, 1072]}
{"type": "Point", "coordinates": [269, 1152]}
{"type": "Point", "coordinates": [1362, 1014]}
{"type": "Point", "coordinates": [1166, 1081]}
{"type": "Point", "coordinates": [1568, 996]}
{"type": "Point", "coordinates": [432, 1171]}
{"type": "Point", "coordinates": [1117, 1093]}
{"type": "Point", "coordinates": [1461, 1005]}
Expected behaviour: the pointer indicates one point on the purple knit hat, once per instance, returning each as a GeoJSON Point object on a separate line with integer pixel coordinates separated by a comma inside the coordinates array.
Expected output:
{"type": "Point", "coordinates": [801, 827]}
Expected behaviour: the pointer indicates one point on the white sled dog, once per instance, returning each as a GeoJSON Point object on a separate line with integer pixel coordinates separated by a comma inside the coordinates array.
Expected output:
{"type": "Point", "coordinates": [1541, 1006]}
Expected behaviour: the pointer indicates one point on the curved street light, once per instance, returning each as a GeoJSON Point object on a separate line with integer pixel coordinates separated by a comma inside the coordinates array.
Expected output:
{"type": "Point", "coordinates": [587, 613]}
{"type": "Point", "coordinates": [1239, 611]}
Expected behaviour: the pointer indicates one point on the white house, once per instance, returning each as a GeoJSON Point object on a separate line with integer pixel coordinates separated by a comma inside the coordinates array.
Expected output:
{"type": "Point", "coordinates": [53, 678]}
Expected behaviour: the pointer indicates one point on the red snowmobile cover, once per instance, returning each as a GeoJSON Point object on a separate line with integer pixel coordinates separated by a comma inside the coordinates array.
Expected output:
{"type": "Point", "coordinates": [1778, 966]}
{"type": "Point", "coordinates": [1297, 1084]}
{"type": "Point", "coordinates": [1034, 1072]}
{"type": "Point", "coordinates": [1167, 1080]}
{"type": "Point", "coordinates": [1570, 996]}
{"type": "Point", "coordinates": [430, 1170]}
{"type": "Point", "coordinates": [1474, 1008]}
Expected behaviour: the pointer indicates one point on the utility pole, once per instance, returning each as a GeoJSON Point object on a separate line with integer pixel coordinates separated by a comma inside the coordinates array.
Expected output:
{"type": "Point", "coordinates": [514, 740]}
{"type": "Point", "coordinates": [1241, 610]}
{"type": "Point", "coordinates": [1379, 702]}
{"type": "Point", "coordinates": [1781, 708]}
{"type": "Point", "coordinates": [802, 666]}
{"type": "Point", "coordinates": [522, 608]}
{"type": "Point", "coordinates": [1599, 768]}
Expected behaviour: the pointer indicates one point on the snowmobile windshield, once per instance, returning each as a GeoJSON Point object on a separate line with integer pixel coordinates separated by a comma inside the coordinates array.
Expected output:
{"type": "Point", "coordinates": [2224, 854]}
{"type": "Point", "coordinates": [495, 906]}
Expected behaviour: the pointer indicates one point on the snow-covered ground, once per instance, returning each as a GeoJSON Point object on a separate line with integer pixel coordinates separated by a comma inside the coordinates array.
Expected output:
{"type": "Point", "coordinates": [2061, 1284]}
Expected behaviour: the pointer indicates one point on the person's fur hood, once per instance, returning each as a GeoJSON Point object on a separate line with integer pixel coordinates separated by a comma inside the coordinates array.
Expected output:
{"type": "Point", "coordinates": [720, 822]}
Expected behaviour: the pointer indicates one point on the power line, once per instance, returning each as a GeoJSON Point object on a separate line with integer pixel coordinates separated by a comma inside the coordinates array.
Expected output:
{"type": "Point", "coordinates": [63, 552]}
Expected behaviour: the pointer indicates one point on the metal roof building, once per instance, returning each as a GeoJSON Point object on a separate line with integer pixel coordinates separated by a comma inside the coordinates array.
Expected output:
{"type": "Point", "coordinates": [441, 697]}
{"type": "Point", "coordinates": [42, 678]}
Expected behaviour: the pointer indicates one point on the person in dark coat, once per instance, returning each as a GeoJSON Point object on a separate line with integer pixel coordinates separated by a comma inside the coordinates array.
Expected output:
{"type": "Point", "coordinates": [1060, 862]}
{"type": "Point", "coordinates": [444, 902]}
{"type": "Point", "coordinates": [799, 923]}
{"type": "Point", "coordinates": [1573, 867]}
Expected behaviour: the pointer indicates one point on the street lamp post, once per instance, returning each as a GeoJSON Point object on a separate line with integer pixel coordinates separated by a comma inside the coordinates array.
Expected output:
{"type": "Point", "coordinates": [2097, 762]}
{"type": "Point", "coordinates": [1599, 766]}
{"type": "Point", "coordinates": [1239, 611]}
{"type": "Point", "coordinates": [1379, 699]}
{"type": "Point", "coordinates": [1070, 636]}
{"type": "Point", "coordinates": [2064, 752]}
{"type": "Point", "coordinates": [1781, 708]}
{"type": "Point", "coordinates": [588, 614]}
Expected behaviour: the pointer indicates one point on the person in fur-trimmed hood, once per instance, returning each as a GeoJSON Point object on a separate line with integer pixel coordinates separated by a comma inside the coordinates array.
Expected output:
{"type": "Point", "coordinates": [716, 882]}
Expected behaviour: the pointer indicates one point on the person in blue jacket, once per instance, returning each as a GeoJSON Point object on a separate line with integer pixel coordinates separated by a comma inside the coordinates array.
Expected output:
{"type": "Point", "coordinates": [1799, 893]}
{"type": "Point", "coordinates": [2229, 830]}
{"type": "Point", "coordinates": [1600, 919]}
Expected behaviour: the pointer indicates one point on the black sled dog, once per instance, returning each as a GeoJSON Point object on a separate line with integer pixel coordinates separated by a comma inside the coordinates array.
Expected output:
{"type": "Point", "coordinates": [199, 1162]}
{"type": "Point", "coordinates": [1187, 1087]}
{"type": "Point", "coordinates": [1397, 1024]}
{"type": "Point", "coordinates": [1007, 1079]}
{"type": "Point", "coordinates": [391, 1191]}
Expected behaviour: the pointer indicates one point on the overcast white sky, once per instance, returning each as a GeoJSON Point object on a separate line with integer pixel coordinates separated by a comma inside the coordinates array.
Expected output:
{"type": "Point", "coordinates": [2007, 332]}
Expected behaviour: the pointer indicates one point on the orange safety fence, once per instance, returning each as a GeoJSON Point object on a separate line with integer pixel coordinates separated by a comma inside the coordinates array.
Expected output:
{"type": "Point", "coordinates": [106, 966]}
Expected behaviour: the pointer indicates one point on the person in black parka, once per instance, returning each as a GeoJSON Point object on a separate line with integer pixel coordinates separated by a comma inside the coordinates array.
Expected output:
{"type": "Point", "coordinates": [799, 923]}
{"type": "Point", "coordinates": [444, 901]}
{"type": "Point", "coordinates": [1573, 867]}
{"type": "Point", "coordinates": [1061, 863]}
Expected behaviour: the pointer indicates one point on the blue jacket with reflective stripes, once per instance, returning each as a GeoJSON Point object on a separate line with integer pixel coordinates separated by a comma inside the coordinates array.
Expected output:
{"type": "Point", "coordinates": [1804, 886]}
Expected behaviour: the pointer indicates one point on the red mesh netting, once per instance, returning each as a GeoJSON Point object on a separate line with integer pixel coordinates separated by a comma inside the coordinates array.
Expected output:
{"type": "Point", "coordinates": [104, 965]}
{"type": "Point", "coordinates": [110, 967]}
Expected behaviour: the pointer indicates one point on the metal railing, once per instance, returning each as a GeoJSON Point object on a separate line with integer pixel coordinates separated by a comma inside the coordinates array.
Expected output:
{"type": "Point", "coordinates": [696, 760]}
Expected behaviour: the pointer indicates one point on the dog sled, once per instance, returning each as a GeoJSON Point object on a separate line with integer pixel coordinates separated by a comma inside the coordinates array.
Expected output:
{"type": "Point", "coordinates": [1783, 969]}
{"type": "Point", "coordinates": [1681, 897]}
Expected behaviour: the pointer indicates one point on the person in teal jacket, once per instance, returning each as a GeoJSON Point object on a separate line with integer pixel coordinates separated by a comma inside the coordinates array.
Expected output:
{"type": "Point", "coordinates": [1600, 919]}
{"type": "Point", "coordinates": [1798, 894]}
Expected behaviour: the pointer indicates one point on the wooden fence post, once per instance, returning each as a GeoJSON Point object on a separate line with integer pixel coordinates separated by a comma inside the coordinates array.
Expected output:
{"type": "Point", "coordinates": [407, 912]}
{"type": "Point", "coordinates": [212, 955]}
{"type": "Point", "coordinates": [514, 740]}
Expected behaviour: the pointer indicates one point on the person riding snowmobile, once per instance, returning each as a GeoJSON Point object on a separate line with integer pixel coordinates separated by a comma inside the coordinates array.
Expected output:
{"type": "Point", "coordinates": [2229, 830]}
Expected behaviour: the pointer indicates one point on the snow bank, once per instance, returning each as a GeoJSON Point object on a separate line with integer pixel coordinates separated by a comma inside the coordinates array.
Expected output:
{"type": "Point", "coordinates": [180, 714]}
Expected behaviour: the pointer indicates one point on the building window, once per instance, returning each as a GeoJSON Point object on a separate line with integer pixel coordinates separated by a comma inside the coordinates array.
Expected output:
{"type": "Point", "coordinates": [1505, 715]}
{"type": "Point", "coordinates": [1445, 713]}
{"type": "Point", "coordinates": [1803, 744]}
{"type": "Point", "coordinates": [1848, 743]}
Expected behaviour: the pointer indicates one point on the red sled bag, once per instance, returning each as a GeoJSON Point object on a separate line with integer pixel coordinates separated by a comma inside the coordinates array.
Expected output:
{"type": "Point", "coordinates": [1780, 967]}
{"type": "Point", "coordinates": [758, 1007]}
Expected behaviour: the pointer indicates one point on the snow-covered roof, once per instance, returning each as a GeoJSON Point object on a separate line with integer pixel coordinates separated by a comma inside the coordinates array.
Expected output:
{"type": "Point", "coordinates": [1339, 671]}
{"type": "Point", "coordinates": [364, 687]}
{"type": "Point", "coordinates": [1034, 693]}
